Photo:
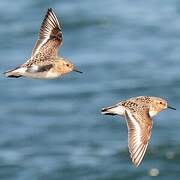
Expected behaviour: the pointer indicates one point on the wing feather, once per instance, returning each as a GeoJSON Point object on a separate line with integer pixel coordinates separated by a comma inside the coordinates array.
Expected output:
{"type": "Point", "coordinates": [139, 133]}
{"type": "Point", "coordinates": [50, 36]}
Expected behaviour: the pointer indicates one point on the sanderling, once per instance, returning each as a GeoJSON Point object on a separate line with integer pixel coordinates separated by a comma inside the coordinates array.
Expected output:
{"type": "Point", "coordinates": [138, 112]}
{"type": "Point", "coordinates": [44, 62]}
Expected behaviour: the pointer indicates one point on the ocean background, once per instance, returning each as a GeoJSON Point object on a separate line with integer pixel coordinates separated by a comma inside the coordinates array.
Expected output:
{"type": "Point", "coordinates": [53, 129]}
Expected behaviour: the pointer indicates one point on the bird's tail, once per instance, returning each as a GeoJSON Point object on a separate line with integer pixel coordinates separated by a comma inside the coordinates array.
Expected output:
{"type": "Point", "coordinates": [13, 73]}
{"type": "Point", "coordinates": [109, 110]}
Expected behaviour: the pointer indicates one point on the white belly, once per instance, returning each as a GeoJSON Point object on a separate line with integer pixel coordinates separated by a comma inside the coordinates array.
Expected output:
{"type": "Point", "coordinates": [41, 75]}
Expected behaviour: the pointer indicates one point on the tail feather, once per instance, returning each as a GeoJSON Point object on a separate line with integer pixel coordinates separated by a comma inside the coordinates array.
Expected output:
{"type": "Point", "coordinates": [109, 110]}
{"type": "Point", "coordinates": [12, 73]}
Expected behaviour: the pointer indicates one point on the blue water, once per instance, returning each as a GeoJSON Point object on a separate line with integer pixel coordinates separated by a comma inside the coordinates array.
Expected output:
{"type": "Point", "coordinates": [53, 129]}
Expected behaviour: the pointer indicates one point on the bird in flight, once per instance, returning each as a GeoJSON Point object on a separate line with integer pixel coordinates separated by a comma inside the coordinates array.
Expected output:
{"type": "Point", "coordinates": [138, 112]}
{"type": "Point", "coordinates": [44, 62]}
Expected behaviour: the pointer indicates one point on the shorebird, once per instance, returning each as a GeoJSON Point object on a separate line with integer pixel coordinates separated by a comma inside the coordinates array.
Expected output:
{"type": "Point", "coordinates": [138, 112]}
{"type": "Point", "coordinates": [44, 62]}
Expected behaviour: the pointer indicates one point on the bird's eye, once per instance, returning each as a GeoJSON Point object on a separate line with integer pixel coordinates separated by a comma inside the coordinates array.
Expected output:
{"type": "Point", "coordinates": [67, 65]}
{"type": "Point", "coordinates": [160, 102]}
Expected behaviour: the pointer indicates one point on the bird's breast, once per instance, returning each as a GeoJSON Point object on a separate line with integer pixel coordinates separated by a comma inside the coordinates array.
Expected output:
{"type": "Point", "coordinates": [152, 113]}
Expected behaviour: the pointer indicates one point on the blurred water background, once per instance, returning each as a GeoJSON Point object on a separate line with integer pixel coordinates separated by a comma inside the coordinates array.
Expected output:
{"type": "Point", "coordinates": [53, 129]}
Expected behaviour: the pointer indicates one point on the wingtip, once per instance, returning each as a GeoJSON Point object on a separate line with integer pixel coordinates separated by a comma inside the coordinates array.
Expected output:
{"type": "Point", "coordinates": [50, 9]}
{"type": "Point", "coordinates": [136, 164]}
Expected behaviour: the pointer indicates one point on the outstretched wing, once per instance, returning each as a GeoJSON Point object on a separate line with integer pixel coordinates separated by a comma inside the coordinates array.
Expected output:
{"type": "Point", "coordinates": [139, 132]}
{"type": "Point", "coordinates": [50, 36]}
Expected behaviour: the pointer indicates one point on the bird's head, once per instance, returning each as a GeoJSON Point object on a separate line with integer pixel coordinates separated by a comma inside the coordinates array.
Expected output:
{"type": "Point", "coordinates": [65, 66]}
{"type": "Point", "coordinates": [157, 105]}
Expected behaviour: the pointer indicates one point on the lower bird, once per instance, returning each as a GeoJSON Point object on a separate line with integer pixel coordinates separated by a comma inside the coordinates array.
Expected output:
{"type": "Point", "coordinates": [138, 112]}
{"type": "Point", "coordinates": [44, 62]}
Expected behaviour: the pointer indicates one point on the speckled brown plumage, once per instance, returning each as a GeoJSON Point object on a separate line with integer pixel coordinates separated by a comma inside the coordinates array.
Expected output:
{"type": "Point", "coordinates": [138, 112]}
{"type": "Point", "coordinates": [44, 62]}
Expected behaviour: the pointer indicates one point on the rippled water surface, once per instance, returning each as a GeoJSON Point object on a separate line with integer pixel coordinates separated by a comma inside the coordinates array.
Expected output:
{"type": "Point", "coordinates": [53, 129]}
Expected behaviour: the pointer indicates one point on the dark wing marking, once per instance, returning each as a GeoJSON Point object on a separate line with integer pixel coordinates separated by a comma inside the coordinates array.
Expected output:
{"type": "Point", "coordinates": [139, 132]}
{"type": "Point", "coordinates": [38, 69]}
{"type": "Point", "coordinates": [50, 36]}
{"type": "Point", "coordinates": [45, 68]}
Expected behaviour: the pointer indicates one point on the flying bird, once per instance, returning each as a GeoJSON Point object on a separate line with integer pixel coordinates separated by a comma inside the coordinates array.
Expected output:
{"type": "Point", "coordinates": [44, 62]}
{"type": "Point", "coordinates": [138, 112]}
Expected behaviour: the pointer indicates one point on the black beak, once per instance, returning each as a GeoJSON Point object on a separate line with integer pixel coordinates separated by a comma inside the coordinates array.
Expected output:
{"type": "Point", "coordinates": [171, 107]}
{"type": "Point", "coordinates": [76, 70]}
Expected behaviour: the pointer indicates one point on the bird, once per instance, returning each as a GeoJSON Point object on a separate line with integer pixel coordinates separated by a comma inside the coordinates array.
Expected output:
{"type": "Point", "coordinates": [44, 62]}
{"type": "Point", "coordinates": [138, 112]}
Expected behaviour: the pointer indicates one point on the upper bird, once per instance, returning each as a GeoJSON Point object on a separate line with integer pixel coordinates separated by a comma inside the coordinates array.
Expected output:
{"type": "Point", "coordinates": [44, 62]}
{"type": "Point", "coordinates": [138, 112]}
